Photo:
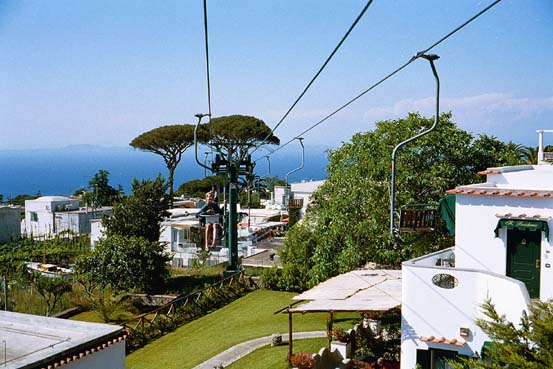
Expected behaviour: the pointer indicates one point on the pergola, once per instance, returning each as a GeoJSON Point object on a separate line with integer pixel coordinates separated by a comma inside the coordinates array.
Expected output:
{"type": "Point", "coordinates": [365, 290]}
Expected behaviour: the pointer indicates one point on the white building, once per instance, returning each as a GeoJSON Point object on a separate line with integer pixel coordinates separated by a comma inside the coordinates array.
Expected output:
{"type": "Point", "coordinates": [10, 223]}
{"type": "Point", "coordinates": [35, 342]}
{"type": "Point", "coordinates": [49, 215]}
{"type": "Point", "coordinates": [300, 191]}
{"type": "Point", "coordinates": [503, 252]}
{"type": "Point", "coordinates": [180, 234]}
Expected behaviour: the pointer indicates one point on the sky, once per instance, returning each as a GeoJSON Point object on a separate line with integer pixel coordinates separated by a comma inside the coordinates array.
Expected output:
{"type": "Point", "coordinates": [102, 72]}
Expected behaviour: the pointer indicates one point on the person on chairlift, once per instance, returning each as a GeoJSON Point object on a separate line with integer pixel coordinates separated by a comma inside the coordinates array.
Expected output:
{"type": "Point", "coordinates": [210, 208]}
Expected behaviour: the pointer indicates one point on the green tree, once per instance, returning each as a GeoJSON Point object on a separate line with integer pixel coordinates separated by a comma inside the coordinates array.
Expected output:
{"type": "Point", "coordinates": [235, 135]}
{"type": "Point", "coordinates": [123, 263]}
{"type": "Point", "coordinates": [169, 142]}
{"type": "Point", "coordinates": [350, 214]}
{"type": "Point", "coordinates": [51, 290]}
{"type": "Point", "coordinates": [528, 345]}
{"type": "Point", "coordinates": [296, 258]}
{"type": "Point", "coordinates": [20, 199]}
{"type": "Point", "coordinates": [271, 182]}
{"type": "Point", "coordinates": [141, 213]}
{"type": "Point", "coordinates": [101, 192]}
{"type": "Point", "coordinates": [199, 187]}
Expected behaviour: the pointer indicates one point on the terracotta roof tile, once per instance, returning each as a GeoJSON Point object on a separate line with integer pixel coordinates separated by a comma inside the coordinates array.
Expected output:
{"type": "Point", "coordinates": [499, 192]}
{"type": "Point", "coordinates": [452, 341]}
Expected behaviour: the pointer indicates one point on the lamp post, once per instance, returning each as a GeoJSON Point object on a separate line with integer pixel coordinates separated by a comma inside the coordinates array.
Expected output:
{"type": "Point", "coordinates": [430, 58]}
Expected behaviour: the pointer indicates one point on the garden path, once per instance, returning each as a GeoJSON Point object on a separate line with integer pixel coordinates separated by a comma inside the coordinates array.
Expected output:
{"type": "Point", "coordinates": [236, 352]}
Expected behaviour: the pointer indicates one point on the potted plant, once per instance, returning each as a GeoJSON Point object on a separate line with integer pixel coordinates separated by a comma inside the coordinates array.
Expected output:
{"type": "Point", "coordinates": [341, 341]}
{"type": "Point", "coordinates": [301, 360]}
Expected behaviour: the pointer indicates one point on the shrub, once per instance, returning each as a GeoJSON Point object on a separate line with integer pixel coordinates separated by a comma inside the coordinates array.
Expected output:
{"type": "Point", "coordinates": [270, 278]}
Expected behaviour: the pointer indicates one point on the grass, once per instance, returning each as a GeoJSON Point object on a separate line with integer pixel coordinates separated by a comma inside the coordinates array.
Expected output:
{"type": "Point", "coordinates": [91, 316]}
{"type": "Point", "coordinates": [244, 319]}
{"type": "Point", "coordinates": [268, 357]}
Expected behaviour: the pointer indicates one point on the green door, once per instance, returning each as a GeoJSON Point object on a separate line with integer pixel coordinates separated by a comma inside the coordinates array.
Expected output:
{"type": "Point", "coordinates": [523, 258]}
{"type": "Point", "coordinates": [440, 358]}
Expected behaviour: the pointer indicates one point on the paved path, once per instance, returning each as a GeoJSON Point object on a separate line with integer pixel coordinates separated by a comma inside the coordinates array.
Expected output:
{"type": "Point", "coordinates": [234, 353]}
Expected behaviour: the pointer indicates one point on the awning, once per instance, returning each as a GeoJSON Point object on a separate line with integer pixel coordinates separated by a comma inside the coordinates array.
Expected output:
{"type": "Point", "coordinates": [359, 290]}
{"type": "Point", "coordinates": [486, 347]}
{"type": "Point", "coordinates": [446, 207]}
{"type": "Point", "coordinates": [522, 225]}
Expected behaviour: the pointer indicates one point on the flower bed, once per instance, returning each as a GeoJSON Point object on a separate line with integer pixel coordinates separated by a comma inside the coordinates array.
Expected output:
{"type": "Point", "coordinates": [301, 360]}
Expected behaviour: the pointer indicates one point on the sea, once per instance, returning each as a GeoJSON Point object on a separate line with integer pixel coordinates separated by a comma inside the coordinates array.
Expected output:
{"type": "Point", "coordinates": [61, 171]}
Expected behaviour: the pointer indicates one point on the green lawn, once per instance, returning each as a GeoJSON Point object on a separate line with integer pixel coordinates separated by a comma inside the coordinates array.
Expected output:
{"type": "Point", "coordinates": [268, 357]}
{"type": "Point", "coordinates": [88, 316]}
{"type": "Point", "coordinates": [246, 318]}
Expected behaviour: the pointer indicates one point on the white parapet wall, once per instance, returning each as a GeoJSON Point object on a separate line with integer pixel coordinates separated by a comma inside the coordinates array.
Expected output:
{"type": "Point", "coordinates": [432, 311]}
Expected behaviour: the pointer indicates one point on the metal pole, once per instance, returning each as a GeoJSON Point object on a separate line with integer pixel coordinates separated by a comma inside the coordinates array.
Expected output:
{"type": "Point", "coordinates": [431, 59]}
{"type": "Point", "coordinates": [300, 139]}
{"type": "Point", "coordinates": [289, 336]}
{"type": "Point", "coordinates": [205, 161]}
{"type": "Point", "coordinates": [5, 284]}
{"type": "Point", "coordinates": [199, 116]}
{"type": "Point", "coordinates": [232, 232]}
{"type": "Point", "coordinates": [269, 165]}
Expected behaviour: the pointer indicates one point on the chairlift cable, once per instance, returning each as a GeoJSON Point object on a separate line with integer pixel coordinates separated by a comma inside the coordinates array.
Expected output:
{"type": "Point", "coordinates": [418, 55]}
{"type": "Point", "coordinates": [317, 74]}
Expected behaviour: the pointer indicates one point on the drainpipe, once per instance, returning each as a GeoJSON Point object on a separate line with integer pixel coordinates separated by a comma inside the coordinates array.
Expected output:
{"type": "Point", "coordinates": [430, 58]}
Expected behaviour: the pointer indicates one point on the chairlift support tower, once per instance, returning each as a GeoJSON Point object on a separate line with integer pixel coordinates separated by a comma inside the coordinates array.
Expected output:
{"type": "Point", "coordinates": [232, 166]}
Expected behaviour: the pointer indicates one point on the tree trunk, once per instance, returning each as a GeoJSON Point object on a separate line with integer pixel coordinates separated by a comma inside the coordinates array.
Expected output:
{"type": "Point", "coordinates": [170, 182]}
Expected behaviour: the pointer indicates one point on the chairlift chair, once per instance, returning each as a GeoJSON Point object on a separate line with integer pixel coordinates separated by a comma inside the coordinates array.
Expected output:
{"type": "Point", "coordinates": [417, 218]}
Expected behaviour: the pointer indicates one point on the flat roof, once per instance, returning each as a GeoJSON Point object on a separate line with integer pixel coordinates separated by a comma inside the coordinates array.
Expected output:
{"type": "Point", "coordinates": [366, 289]}
{"type": "Point", "coordinates": [32, 340]}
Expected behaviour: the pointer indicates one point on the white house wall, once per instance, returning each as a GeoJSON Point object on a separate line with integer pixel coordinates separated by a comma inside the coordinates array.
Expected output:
{"type": "Point", "coordinates": [428, 310]}
{"type": "Point", "coordinates": [476, 245]}
{"type": "Point", "coordinates": [523, 177]}
{"type": "Point", "coordinates": [112, 357]}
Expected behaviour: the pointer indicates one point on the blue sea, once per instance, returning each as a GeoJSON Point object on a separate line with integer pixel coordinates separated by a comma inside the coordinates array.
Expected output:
{"type": "Point", "coordinates": [62, 171]}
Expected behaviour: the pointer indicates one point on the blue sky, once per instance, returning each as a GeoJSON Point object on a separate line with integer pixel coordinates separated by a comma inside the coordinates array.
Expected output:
{"type": "Point", "coordinates": [102, 72]}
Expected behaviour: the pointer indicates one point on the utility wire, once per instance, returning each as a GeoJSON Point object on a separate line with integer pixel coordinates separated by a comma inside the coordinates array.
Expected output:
{"type": "Point", "coordinates": [418, 55]}
{"type": "Point", "coordinates": [317, 74]}
{"type": "Point", "coordinates": [207, 61]}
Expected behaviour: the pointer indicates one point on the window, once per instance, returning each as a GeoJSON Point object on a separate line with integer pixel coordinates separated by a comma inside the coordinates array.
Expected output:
{"type": "Point", "coordinates": [435, 358]}
{"type": "Point", "coordinates": [446, 281]}
{"type": "Point", "coordinates": [34, 216]}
